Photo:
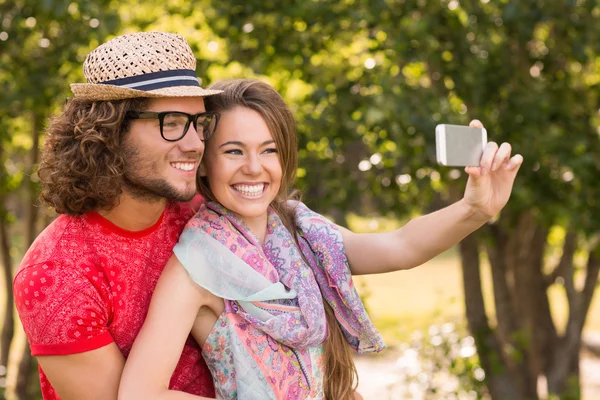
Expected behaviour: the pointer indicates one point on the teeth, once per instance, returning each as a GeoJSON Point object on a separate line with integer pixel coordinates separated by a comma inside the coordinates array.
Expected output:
{"type": "Point", "coordinates": [250, 190]}
{"type": "Point", "coordinates": [184, 166]}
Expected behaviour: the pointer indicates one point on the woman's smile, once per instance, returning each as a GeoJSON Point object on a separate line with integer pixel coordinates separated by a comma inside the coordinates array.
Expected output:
{"type": "Point", "coordinates": [250, 190]}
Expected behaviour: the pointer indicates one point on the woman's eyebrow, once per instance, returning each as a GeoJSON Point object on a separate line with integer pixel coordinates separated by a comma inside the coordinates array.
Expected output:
{"type": "Point", "coordinates": [237, 143]}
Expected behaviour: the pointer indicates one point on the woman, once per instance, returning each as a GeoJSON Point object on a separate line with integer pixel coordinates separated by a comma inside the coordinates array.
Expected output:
{"type": "Point", "coordinates": [290, 310]}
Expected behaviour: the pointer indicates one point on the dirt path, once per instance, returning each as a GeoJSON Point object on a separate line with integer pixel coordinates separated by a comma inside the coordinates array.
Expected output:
{"type": "Point", "coordinates": [379, 377]}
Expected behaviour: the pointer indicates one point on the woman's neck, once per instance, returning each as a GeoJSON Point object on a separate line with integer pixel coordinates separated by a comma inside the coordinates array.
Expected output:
{"type": "Point", "coordinates": [258, 226]}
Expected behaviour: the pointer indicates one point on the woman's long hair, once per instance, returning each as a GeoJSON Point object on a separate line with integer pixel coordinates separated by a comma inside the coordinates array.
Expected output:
{"type": "Point", "coordinates": [341, 377]}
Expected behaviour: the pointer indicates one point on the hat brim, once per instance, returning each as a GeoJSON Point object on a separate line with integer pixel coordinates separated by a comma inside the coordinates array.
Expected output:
{"type": "Point", "coordinates": [94, 92]}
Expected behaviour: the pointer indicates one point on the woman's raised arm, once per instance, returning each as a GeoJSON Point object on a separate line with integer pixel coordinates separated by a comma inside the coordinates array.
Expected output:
{"type": "Point", "coordinates": [487, 192]}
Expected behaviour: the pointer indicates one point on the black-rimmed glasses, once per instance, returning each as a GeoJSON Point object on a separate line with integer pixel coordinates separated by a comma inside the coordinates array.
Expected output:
{"type": "Point", "coordinates": [175, 124]}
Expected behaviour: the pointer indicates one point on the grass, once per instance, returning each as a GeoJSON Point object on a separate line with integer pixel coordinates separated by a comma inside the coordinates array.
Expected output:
{"type": "Point", "coordinates": [402, 302]}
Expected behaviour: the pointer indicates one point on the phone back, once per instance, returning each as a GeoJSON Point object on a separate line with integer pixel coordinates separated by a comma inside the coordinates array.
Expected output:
{"type": "Point", "coordinates": [458, 145]}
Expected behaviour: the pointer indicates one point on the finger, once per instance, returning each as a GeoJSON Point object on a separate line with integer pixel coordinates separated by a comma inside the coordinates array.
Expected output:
{"type": "Point", "coordinates": [474, 172]}
{"type": "Point", "coordinates": [502, 156]}
{"type": "Point", "coordinates": [476, 124]}
{"type": "Point", "coordinates": [514, 163]}
{"type": "Point", "coordinates": [489, 153]}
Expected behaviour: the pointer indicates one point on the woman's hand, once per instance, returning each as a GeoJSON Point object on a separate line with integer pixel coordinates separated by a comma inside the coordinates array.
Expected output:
{"type": "Point", "coordinates": [489, 185]}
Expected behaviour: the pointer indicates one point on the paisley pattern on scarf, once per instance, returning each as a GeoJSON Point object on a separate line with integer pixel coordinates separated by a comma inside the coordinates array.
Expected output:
{"type": "Point", "coordinates": [268, 341]}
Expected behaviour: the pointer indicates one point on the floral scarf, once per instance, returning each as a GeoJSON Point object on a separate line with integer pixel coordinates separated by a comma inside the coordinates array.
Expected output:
{"type": "Point", "coordinates": [271, 286]}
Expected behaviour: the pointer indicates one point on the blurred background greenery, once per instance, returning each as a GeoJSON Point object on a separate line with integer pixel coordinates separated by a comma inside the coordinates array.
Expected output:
{"type": "Point", "coordinates": [368, 81]}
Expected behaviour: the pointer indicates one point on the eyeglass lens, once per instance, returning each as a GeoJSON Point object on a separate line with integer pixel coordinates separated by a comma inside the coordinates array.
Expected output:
{"type": "Point", "coordinates": [175, 125]}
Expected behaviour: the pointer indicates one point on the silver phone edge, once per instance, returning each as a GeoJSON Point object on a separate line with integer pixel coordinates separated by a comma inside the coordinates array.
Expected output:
{"type": "Point", "coordinates": [440, 133]}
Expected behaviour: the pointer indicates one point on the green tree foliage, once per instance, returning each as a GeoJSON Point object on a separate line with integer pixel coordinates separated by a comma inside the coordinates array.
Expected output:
{"type": "Point", "coordinates": [384, 73]}
{"type": "Point", "coordinates": [42, 46]}
{"type": "Point", "coordinates": [368, 81]}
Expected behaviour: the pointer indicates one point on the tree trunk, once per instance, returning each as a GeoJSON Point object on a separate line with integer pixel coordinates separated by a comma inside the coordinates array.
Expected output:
{"type": "Point", "coordinates": [24, 374]}
{"type": "Point", "coordinates": [563, 378]}
{"type": "Point", "coordinates": [25, 364]}
{"type": "Point", "coordinates": [9, 319]}
{"type": "Point", "coordinates": [508, 323]}
{"type": "Point", "coordinates": [526, 260]}
{"type": "Point", "coordinates": [8, 326]}
{"type": "Point", "coordinates": [498, 380]}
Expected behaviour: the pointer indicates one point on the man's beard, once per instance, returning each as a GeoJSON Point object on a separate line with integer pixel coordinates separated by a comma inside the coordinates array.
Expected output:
{"type": "Point", "coordinates": [152, 190]}
{"type": "Point", "coordinates": [138, 183]}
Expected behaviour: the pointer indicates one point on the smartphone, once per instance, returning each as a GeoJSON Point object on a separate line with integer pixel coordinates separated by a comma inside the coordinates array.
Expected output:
{"type": "Point", "coordinates": [458, 145]}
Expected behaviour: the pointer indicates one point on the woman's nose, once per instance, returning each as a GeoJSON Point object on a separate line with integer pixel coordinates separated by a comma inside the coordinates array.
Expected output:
{"type": "Point", "coordinates": [253, 165]}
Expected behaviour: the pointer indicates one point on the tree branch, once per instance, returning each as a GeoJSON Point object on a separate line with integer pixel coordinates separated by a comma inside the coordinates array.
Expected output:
{"type": "Point", "coordinates": [591, 281]}
{"type": "Point", "coordinates": [505, 313]}
{"type": "Point", "coordinates": [568, 276]}
{"type": "Point", "coordinates": [571, 343]}
{"type": "Point", "coordinates": [566, 260]}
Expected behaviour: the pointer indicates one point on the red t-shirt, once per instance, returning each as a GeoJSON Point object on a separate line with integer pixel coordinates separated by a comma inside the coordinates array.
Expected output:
{"type": "Point", "coordinates": [85, 283]}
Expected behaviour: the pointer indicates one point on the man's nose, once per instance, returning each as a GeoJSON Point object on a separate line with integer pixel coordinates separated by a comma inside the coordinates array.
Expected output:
{"type": "Point", "coordinates": [191, 142]}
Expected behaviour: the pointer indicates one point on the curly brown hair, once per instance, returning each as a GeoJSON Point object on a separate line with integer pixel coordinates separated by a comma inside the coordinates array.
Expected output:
{"type": "Point", "coordinates": [82, 161]}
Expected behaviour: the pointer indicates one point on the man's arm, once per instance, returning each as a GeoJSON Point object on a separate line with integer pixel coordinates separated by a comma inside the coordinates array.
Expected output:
{"type": "Point", "coordinates": [92, 375]}
{"type": "Point", "coordinates": [66, 322]}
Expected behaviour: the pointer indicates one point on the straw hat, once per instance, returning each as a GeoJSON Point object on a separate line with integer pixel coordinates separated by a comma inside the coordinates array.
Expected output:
{"type": "Point", "coordinates": [143, 64]}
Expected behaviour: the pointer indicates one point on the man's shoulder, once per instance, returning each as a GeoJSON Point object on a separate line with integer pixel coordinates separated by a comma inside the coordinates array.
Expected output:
{"type": "Point", "coordinates": [50, 240]}
{"type": "Point", "coordinates": [51, 251]}
{"type": "Point", "coordinates": [68, 235]}
{"type": "Point", "coordinates": [51, 269]}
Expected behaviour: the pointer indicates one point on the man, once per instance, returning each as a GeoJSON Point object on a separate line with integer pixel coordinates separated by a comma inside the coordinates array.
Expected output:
{"type": "Point", "coordinates": [117, 165]}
